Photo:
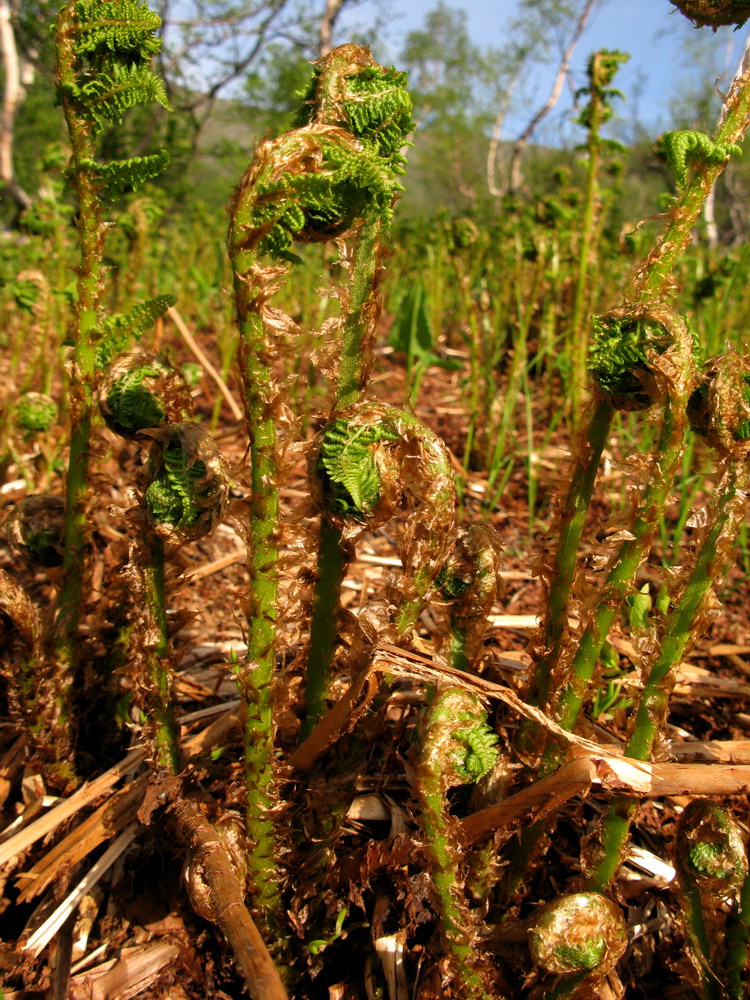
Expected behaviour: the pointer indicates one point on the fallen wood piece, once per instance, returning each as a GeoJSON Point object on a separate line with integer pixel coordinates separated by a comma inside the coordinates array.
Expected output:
{"type": "Point", "coordinates": [338, 721]}
{"type": "Point", "coordinates": [228, 902]}
{"type": "Point", "coordinates": [66, 808]}
{"type": "Point", "coordinates": [44, 934]}
{"type": "Point", "coordinates": [121, 978]}
{"type": "Point", "coordinates": [108, 820]}
{"type": "Point", "coordinates": [612, 772]}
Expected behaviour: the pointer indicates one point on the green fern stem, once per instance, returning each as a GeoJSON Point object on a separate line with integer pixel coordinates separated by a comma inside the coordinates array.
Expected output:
{"type": "Point", "coordinates": [653, 276]}
{"type": "Point", "coordinates": [581, 664]}
{"type": "Point", "coordinates": [91, 238]}
{"type": "Point", "coordinates": [255, 676]}
{"type": "Point", "coordinates": [355, 362]}
{"type": "Point", "coordinates": [737, 957]}
{"type": "Point", "coordinates": [333, 559]}
{"type": "Point", "coordinates": [159, 677]}
{"type": "Point", "coordinates": [554, 633]}
{"type": "Point", "coordinates": [442, 762]}
{"type": "Point", "coordinates": [714, 549]}
{"type": "Point", "coordinates": [601, 70]}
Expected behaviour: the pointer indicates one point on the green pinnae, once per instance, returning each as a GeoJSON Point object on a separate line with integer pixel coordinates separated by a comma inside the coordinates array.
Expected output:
{"type": "Point", "coordinates": [175, 496]}
{"type": "Point", "coordinates": [35, 412]}
{"type": "Point", "coordinates": [584, 957]}
{"type": "Point", "coordinates": [619, 360]}
{"type": "Point", "coordinates": [132, 404]}
{"type": "Point", "coordinates": [348, 466]}
{"type": "Point", "coordinates": [349, 183]}
{"type": "Point", "coordinates": [480, 755]}
{"type": "Point", "coordinates": [578, 932]}
{"type": "Point", "coordinates": [451, 585]}
{"type": "Point", "coordinates": [374, 105]}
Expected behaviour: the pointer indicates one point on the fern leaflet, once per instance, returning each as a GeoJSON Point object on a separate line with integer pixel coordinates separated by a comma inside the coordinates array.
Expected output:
{"type": "Point", "coordinates": [127, 26]}
{"type": "Point", "coordinates": [119, 330]}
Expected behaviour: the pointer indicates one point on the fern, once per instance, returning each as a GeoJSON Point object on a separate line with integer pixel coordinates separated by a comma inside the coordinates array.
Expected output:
{"type": "Point", "coordinates": [684, 148]}
{"type": "Point", "coordinates": [481, 748]}
{"type": "Point", "coordinates": [125, 26]}
{"type": "Point", "coordinates": [118, 331]}
{"type": "Point", "coordinates": [174, 497]}
{"type": "Point", "coordinates": [132, 405]}
{"type": "Point", "coordinates": [350, 184]}
{"type": "Point", "coordinates": [116, 89]}
{"type": "Point", "coordinates": [618, 359]}
{"type": "Point", "coordinates": [118, 175]}
{"type": "Point", "coordinates": [35, 412]}
{"type": "Point", "coordinates": [347, 460]}
{"type": "Point", "coordinates": [376, 108]}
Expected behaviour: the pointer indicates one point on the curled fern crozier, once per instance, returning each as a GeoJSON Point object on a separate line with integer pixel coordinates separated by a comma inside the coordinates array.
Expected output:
{"type": "Point", "coordinates": [142, 391]}
{"type": "Point", "coordinates": [189, 485]}
{"type": "Point", "coordinates": [35, 529]}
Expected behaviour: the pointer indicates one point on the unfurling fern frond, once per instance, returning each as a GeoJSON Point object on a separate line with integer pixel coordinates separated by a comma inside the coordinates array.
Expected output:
{"type": "Point", "coordinates": [118, 175]}
{"type": "Point", "coordinates": [143, 391]}
{"type": "Point", "coordinates": [622, 359]}
{"type": "Point", "coordinates": [349, 90]}
{"type": "Point", "coordinates": [719, 408]}
{"type": "Point", "coordinates": [580, 932]}
{"type": "Point", "coordinates": [36, 529]}
{"type": "Point", "coordinates": [684, 148]}
{"type": "Point", "coordinates": [347, 462]}
{"type": "Point", "coordinates": [35, 412]}
{"type": "Point", "coordinates": [118, 331]}
{"type": "Point", "coordinates": [116, 89]}
{"type": "Point", "coordinates": [311, 185]}
{"type": "Point", "coordinates": [481, 751]}
{"type": "Point", "coordinates": [189, 486]}
{"type": "Point", "coordinates": [125, 26]}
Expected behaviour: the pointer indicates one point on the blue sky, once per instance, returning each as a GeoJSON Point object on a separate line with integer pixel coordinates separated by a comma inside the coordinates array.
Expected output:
{"type": "Point", "coordinates": [662, 44]}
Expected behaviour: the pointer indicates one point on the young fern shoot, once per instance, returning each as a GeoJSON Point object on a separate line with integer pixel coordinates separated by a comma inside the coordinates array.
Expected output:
{"type": "Point", "coordinates": [104, 52]}
{"type": "Point", "coordinates": [317, 182]}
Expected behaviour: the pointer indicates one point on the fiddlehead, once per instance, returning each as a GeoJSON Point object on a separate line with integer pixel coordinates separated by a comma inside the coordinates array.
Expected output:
{"type": "Point", "coordinates": [189, 484]}
{"type": "Point", "coordinates": [624, 361]}
{"type": "Point", "coordinates": [371, 461]}
{"type": "Point", "coordinates": [719, 408]}
{"type": "Point", "coordinates": [712, 868]}
{"type": "Point", "coordinates": [35, 413]}
{"type": "Point", "coordinates": [470, 581]}
{"type": "Point", "coordinates": [685, 148]}
{"type": "Point", "coordinates": [36, 529]}
{"type": "Point", "coordinates": [142, 391]}
{"type": "Point", "coordinates": [581, 932]}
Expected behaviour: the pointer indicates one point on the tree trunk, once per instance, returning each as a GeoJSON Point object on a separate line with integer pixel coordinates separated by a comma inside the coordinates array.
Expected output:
{"type": "Point", "coordinates": [12, 97]}
{"type": "Point", "coordinates": [516, 176]}
{"type": "Point", "coordinates": [325, 31]}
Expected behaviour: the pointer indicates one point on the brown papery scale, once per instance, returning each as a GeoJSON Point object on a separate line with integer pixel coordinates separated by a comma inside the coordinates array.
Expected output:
{"type": "Point", "coordinates": [141, 391]}
{"type": "Point", "coordinates": [36, 528]}
{"type": "Point", "coordinates": [578, 932]}
{"type": "Point", "coordinates": [714, 13]}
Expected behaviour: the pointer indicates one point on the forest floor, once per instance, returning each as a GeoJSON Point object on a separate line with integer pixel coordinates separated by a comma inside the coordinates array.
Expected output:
{"type": "Point", "coordinates": [129, 930]}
